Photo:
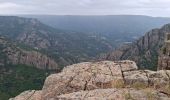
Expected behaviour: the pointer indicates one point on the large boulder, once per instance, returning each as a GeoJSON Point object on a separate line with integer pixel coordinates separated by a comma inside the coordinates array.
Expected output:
{"type": "Point", "coordinates": [115, 94]}
{"type": "Point", "coordinates": [99, 80]}
{"type": "Point", "coordinates": [86, 76]}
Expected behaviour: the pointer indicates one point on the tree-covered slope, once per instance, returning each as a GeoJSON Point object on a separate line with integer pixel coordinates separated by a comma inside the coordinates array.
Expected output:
{"type": "Point", "coordinates": [65, 47]}
{"type": "Point", "coordinates": [21, 69]}
{"type": "Point", "coordinates": [30, 50]}
{"type": "Point", "coordinates": [18, 78]}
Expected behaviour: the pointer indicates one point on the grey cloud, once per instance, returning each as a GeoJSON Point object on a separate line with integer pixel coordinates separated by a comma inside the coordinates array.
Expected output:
{"type": "Point", "coordinates": [86, 7]}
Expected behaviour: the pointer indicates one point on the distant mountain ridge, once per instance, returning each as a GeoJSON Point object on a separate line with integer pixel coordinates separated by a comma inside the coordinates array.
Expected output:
{"type": "Point", "coordinates": [65, 47]}
{"type": "Point", "coordinates": [35, 48]}
{"type": "Point", "coordinates": [68, 47]}
{"type": "Point", "coordinates": [124, 28]}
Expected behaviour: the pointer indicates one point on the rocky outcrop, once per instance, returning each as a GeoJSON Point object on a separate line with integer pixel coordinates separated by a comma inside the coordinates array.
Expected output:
{"type": "Point", "coordinates": [12, 54]}
{"type": "Point", "coordinates": [164, 55]}
{"type": "Point", "coordinates": [93, 80]}
{"type": "Point", "coordinates": [100, 94]}
{"type": "Point", "coordinates": [144, 51]}
{"type": "Point", "coordinates": [163, 62]}
{"type": "Point", "coordinates": [31, 58]}
{"type": "Point", "coordinates": [115, 94]}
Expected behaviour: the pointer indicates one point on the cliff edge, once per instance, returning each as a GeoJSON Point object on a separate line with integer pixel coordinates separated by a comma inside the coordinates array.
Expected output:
{"type": "Point", "coordinates": [119, 80]}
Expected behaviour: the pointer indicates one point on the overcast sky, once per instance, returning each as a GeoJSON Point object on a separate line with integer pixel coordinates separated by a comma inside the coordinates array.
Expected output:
{"type": "Point", "coordinates": [86, 7]}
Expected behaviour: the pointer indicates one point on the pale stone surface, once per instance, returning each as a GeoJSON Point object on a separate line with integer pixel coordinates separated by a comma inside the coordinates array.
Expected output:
{"type": "Point", "coordinates": [83, 76]}
{"type": "Point", "coordinates": [29, 95]}
{"type": "Point", "coordinates": [127, 65]}
{"type": "Point", "coordinates": [138, 76]}
{"type": "Point", "coordinates": [94, 80]}
{"type": "Point", "coordinates": [114, 94]}
{"type": "Point", "coordinates": [158, 79]}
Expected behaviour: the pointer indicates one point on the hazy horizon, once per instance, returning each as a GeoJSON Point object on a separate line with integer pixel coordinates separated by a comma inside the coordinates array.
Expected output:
{"type": "Point", "coordinates": [21, 15]}
{"type": "Point", "coordinates": [154, 8]}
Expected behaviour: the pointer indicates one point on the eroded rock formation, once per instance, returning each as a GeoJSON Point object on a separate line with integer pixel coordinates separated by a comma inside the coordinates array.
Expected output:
{"type": "Point", "coordinates": [93, 80]}
{"type": "Point", "coordinates": [143, 51]}
{"type": "Point", "coordinates": [10, 53]}
{"type": "Point", "coordinates": [164, 55]}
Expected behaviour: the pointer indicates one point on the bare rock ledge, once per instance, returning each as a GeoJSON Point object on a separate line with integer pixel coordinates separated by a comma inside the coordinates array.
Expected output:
{"type": "Point", "coordinates": [104, 80]}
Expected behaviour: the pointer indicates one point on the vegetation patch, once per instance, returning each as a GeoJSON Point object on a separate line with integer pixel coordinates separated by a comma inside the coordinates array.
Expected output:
{"type": "Point", "coordinates": [149, 94]}
{"type": "Point", "coordinates": [128, 96]}
{"type": "Point", "coordinates": [15, 79]}
{"type": "Point", "coordinates": [138, 85]}
{"type": "Point", "coordinates": [118, 84]}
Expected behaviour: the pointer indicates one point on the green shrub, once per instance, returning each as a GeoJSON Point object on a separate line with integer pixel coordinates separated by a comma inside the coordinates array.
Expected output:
{"type": "Point", "coordinates": [128, 96]}
{"type": "Point", "coordinates": [138, 85]}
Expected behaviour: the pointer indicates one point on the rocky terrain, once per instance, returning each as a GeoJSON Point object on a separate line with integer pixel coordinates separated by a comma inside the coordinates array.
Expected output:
{"type": "Point", "coordinates": [105, 80]}
{"type": "Point", "coordinates": [12, 54]}
{"type": "Point", "coordinates": [31, 50]}
{"type": "Point", "coordinates": [64, 47]}
{"type": "Point", "coordinates": [22, 68]}
{"type": "Point", "coordinates": [35, 48]}
{"type": "Point", "coordinates": [144, 51]}
{"type": "Point", "coordinates": [163, 62]}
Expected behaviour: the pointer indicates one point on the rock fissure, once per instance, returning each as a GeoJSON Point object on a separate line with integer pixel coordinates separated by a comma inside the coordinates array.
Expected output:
{"type": "Point", "coordinates": [168, 94]}
{"type": "Point", "coordinates": [86, 83]}
{"type": "Point", "coordinates": [71, 79]}
{"type": "Point", "coordinates": [147, 78]}
{"type": "Point", "coordinates": [122, 73]}
{"type": "Point", "coordinates": [85, 95]}
{"type": "Point", "coordinates": [110, 70]}
{"type": "Point", "coordinates": [67, 84]}
{"type": "Point", "coordinates": [129, 70]}
{"type": "Point", "coordinates": [31, 95]}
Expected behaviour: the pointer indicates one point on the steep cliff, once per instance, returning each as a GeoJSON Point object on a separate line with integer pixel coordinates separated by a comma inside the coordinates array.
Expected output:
{"type": "Point", "coordinates": [10, 53]}
{"type": "Point", "coordinates": [144, 51]}
{"type": "Point", "coordinates": [120, 80]}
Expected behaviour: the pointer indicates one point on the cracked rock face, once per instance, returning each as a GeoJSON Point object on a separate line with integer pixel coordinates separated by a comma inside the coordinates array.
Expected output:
{"type": "Point", "coordinates": [85, 76]}
{"type": "Point", "coordinates": [148, 45]}
{"type": "Point", "coordinates": [163, 62]}
{"type": "Point", "coordinates": [32, 58]}
{"type": "Point", "coordinates": [99, 80]}
{"type": "Point", "coordinates": [114, 94]}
